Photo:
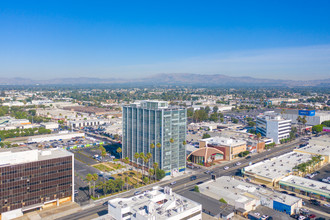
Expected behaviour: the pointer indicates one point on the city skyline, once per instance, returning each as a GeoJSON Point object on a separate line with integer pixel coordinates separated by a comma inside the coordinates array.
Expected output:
{"type": "Point", "coordinates": [111, 40]}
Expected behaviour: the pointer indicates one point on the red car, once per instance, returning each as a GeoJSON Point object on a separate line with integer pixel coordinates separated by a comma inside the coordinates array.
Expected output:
{"type": "Point", "coordinates": [312, 216]}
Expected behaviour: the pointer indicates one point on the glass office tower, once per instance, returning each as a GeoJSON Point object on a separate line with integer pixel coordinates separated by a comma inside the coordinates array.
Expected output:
{"type": "Point", "coordinates": [154, 123]}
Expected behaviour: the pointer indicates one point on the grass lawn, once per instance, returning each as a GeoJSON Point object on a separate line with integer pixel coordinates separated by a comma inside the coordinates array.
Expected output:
{"type": "Point", "coordinates": [103, 168]}
{"type": "Point", "coordinates": [115, 166]}
{"type": "Point", "coordinates": [133, 177]}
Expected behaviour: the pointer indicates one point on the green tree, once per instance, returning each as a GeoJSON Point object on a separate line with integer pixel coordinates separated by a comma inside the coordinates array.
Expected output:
{"type": "Point", "coordinates": [196, 189]}
{"type": "Point", "coordinates": [119, 150]}
{"type": "Point", "coordinates": [89, 178]}
{"type": "Point", "coordinates": [160, 174]}
{"type": "Point", "coordinates": [326, 123]}
{"type": "Point", "coordinates": [206, 135]}
{"type": "Point", "coordinates": [317, 128]}
{"type": "Point", "coordinates": [222, 200]}
{"type": "Point", "coordinates": [94, 179]}
{"type": "Point", "coordinates": [215, 109]}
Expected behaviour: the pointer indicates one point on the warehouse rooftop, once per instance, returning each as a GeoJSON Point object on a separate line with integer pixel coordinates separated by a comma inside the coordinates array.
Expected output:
{"type": "Point", "coordinates": [278, 167]}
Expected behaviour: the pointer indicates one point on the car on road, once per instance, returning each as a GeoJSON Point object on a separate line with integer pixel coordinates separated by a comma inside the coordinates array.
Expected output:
{"type": "Point", "coordinates": [312, 216]}
{"type": "Point", "coordinates": [315, 202]}
{"type": "Point", "coordinates": [248, 157]}
{"type": "Point", "coordinates": [137, 193]}
{"type": "Point", "coordinates": [192, 178]}
{"type": "Point", "coordinates": [327, 205]}
{"type": "Point", "coordinates": [226, 168]}
{"type": "Point", "coordinates": [207, 172]}
{"type": "Point", "coordinates": [173, 183]}
{"type": "Point", "coordinates": [292, 194]}
{"type": "Point", "coordinates": [76, 192]}
{"type": "Point", "coordinates": [237, 163]}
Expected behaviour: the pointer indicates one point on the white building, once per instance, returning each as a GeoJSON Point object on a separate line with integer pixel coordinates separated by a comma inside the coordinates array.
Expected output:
{"type": "Point", "coordinates": [158, 204]}
{"type": "Point", "coordinates": [247, 196]}
{"type": "Point", "coordinates": [55, 137]}
{"type": "Point", "coordinates": [312, 117]}
{"type": "Point", "coordinates": [272, 125]}
{"type": "Point", "coordinates": [272, 170]}
{"type": "Point", "coordinates": [86, 123]}
{"type": "Point", "coordinates": [50, 125]}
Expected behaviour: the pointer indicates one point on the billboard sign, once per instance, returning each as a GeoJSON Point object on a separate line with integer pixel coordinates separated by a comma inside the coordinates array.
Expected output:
{"type": "Point", "coordinates": [307, 112]}
{"type": "Point", "coordinates": [326, 129]}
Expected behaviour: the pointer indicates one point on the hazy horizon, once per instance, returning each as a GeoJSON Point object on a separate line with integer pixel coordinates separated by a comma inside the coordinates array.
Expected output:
{"type": "Point", "coordinates": [270, 40]}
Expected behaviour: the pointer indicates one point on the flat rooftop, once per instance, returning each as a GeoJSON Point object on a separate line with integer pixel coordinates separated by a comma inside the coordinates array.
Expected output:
{"type": "Point", "coordinates": [278, 167]}
{"type": "Point", "coordinates": [19, 155]}
{"type": "Point", "coordinates": [308, 184]}
{"type": "Point", "coordinates": [316, 149]}
{"type": "Point", "coordinates": [233, 190]}
{"type": "Point", "coordinates": [224, 141]}
{"type": "Point", "coordinates": [155, 203]}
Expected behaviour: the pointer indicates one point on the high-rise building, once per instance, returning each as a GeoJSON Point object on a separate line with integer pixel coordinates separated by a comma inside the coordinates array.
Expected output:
{"type": "Point", "coordinates": [31, 179]}
{"type": "Point", "coordinates": [272, 125]}
{"type": "Point", "coordinates": [155, 127]}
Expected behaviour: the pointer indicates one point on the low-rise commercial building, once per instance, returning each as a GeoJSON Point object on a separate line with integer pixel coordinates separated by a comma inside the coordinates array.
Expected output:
{"type": "Point", "coordinates": [306, 187]}
{"type": "Point", "coordinates": [55, 137]}
{"type": "Point", "coordinates": [270, 171]}
{"type": "Point", "coordinates": [86, 123]}
{"type": "Point", "coordinates": [50, 125]}
{"type": "Point", "coordinates": [272, 125]}
{"type": "Point", "coordinates": [229, 146]}
{"type": "Point", "coordinates": [32, 179]}
{"type": "Point", "coordinates": [159, 203]}
{"type": "Point", "coordinates": [312, 117]}
{"type": "Point", "coordinates": [246, 196]}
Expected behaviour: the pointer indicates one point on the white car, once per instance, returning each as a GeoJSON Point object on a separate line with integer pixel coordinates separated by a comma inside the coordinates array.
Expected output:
{"type": "Point", "coordinates": [301, 217]}
{"type": "Point", "coordinates": [172, 183]}
{"type": "Point", "coordinates": [238, 163]}
{"type": "Point", "coordinates": [327, 205]}
{"type": "Point", "coordinates": [226, 168]}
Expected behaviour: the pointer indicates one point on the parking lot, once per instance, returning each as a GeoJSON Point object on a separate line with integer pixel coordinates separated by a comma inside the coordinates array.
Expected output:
{"type": "Point", "coordinates": [323, 173]}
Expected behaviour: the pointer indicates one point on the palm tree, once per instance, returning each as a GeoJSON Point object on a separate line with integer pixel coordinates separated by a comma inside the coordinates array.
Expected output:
{"type": "Point", "coordinates": [155, 165]}
{"type": "Point", "coordinates": [149, 155]}
{"type": "Point", "coordinates": [159, 145]}
{"type": "Point", "coordinates": [126, 181]}
{"type": "Point", "coordinates": [184, 143]}
{"type": "Point", "coordinates": [304, 121]}
{"type": "Point", "coordinates": [89, 178]}
{"type": "Point", "coordinates": [258, 139]}
{"type": "Point", "coordinates": [136, 156]}
{"type": "Point", "coordinates": [151, 173]}
{"type": "Point", "coordinates": [171, 140]}
{"type": "Point", "coordinates": [94, 178]}
{"type": "Point", "coordinates": [142, 158]}
{"type": "Point", "coordinates": [119, 150]}
{"type": "Point", "coordinates": [152, 146]}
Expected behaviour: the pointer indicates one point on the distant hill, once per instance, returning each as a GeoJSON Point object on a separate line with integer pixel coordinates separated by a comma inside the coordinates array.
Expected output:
{"type": "Point", "coordinates": [170, 79]}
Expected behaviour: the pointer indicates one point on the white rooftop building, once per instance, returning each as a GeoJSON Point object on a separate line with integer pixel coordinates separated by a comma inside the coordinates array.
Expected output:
{"type": "Point", "coordinates": [272, 170]}
{"type": "Point", "coordinates": [248, 196]}
{"type": "Point", "coordinates": [272, 125]}
{"type": "Point", "coordinates": [158, 204]}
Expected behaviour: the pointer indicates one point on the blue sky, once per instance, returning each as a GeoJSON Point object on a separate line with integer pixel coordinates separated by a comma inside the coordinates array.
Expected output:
{"type": "Point", "coordinates": [267, 39]}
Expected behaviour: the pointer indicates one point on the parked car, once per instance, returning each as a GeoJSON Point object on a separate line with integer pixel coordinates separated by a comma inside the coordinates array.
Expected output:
{"type": "Point", "coordinates": [137, 193]}
{"type": "Point", "coordinates": [173, 183]}
{"type": "Point", "coordinates": [315, 202]}
{"type": "Point", "coordinates": [237, 163]}
{"type": "Point", "coordinates": [312, 216]}
{"type": "Point", "coordinates": [226, 168]}
{"type": "Point", "coordinates": [192, 178]}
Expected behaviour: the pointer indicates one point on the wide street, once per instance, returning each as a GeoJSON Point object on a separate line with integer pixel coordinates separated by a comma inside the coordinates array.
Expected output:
{"type": "Point", "coordinates": [184, 184]}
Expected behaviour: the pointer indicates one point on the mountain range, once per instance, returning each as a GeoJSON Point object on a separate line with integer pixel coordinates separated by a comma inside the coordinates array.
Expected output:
{"type": "Point", "coordinates": [170, 79]}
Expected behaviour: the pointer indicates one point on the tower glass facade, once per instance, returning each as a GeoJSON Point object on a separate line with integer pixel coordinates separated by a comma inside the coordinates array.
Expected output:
{"type": "Point", "coordinates": [154, 122]}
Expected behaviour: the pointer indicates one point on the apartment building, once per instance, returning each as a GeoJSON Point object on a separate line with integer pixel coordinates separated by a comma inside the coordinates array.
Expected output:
{"type": "Point", "coordinates": [272, 125]}
{"type": "Point", "coordinates": [154, 123]}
